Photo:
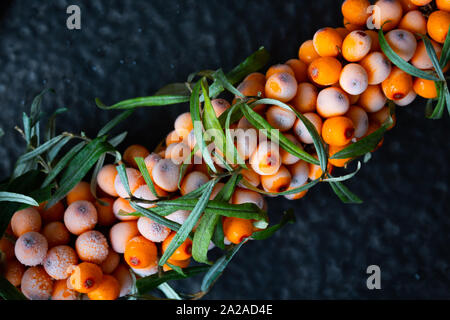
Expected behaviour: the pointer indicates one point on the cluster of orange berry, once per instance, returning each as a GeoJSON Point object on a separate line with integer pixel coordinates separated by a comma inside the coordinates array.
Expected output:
{"type": "Point", "coordinates": [340, 83]}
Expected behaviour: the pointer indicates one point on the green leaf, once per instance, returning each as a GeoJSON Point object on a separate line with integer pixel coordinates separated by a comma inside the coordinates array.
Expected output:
{"type": "Point", "coordinates": [229, 139]}
{"type": "Point", "coordinates": [434, 59]}
{"type": "Point", "coordinates": [304, 187]}
{"type": "Point", "coordinates": [140, 211]}
{"type": "Point", "coordinates": [146, 284]}
{"type": "Point", "coordinates": [53, 152]}
{"type": "Point", "coordinates": [261, 124]}
{"type": "Point", "coordinates": [177, 269]}
{"type": "Point", "coordinates": [98, 167]}
{"type": "Point", "coordinates": [345, 177]}
{"type": "Point", "coordinates": [445, 56]}
{"type": "Point", "coordinates": [223, 81]}
{"type": "Point", "coordinates": [122, 172]}
{"type": "Point", "coordinates": [8, 291]}
{"type": "Point", "coordinates": [198, 128]}
{"type": "Point", "coordinates": [344, 193]}
{"type": "Point", "coordinates": [189, 224]}
{"type": "Point", "coordinates": [399, 62]}
{"type": "Point", "coordinates": [152, 101]}
{"type": "Point", "coordinates": [40, 150]}
{"type": "Point", "coordinates": [62, 163]}
{"type": "Point", "coordinates": [114, 122]}
{"type": "Point", "coordinates": [148, 180]}
{"type": "Point", "coordinates": [115, 141]}
{"type": "Point", "coordinates": [51, 124]}
{"type": "Point", "coordinates": [176, 89]}
{"type": "Point", "coordinates": [288, 217]}
{"type": "Point", "coordinates": [79, 166]}
{"type": "Point", "coordinates": [168, 291]}
{"type": "Point", "coordinates": [18, 198]}
{"type": "Point", "coordinates": [217, 268]}
{"type": "Point", "coordinates": [208, 222]}
{"type": "Point", "coordinates": [438, 110]}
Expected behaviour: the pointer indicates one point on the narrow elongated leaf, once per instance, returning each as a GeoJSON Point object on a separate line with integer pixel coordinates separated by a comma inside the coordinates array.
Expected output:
{"type": "Point", "coordinates": [345, 177]}
{"type": "Point", "coordinates": [115, 141]}
{"type": "Point", "coordinates": [122, 172]}
{"type": "Point", "coordinates": [288, 217]}
{"type": "Point", "coordinates": [217, 268]}
{"type": "Point", "coordinates": [51, 123]}
{"type": "Point", "coordinates": [206, 227]}
{"type": "Point", "coordinates": [8, 291]}
{"type": "Point", "coordinates": [146, 284]}
{"type": "Point", "coordinates": [445, 56]}
{"type": "Point", "coordinates": [152, 101]}
{"type": "Point", "coordinates": [433, 57]}
{"type": "Point", "coordinates": [261, 124]}
{"type": "Point", "coordinates": [229, 139]}
{"type": "Point", "coordinates": [17, 198]}
{"type": "Point", "coordinates": [114, 122]}
{"type": "Point", "coordinates": [344, 193]}
{"type": "Point", "coordinates": [98, 167]}
{"type": "Point", "coordinates": [438, 110]}
{"type": "Point", "coordinates": [62, 163]}
{"type": "Point", "coordinates": [148, 180]}
{"type": "Point", "coordinates": [189, 224]}
{"type": "Point", "coordinates": [54, 151]}
{"type": "Point", "coordinates": [40, 150]}
{"type": "Point", "coordinates": [198, 130]}
{"type": "Point", "coordinates": [79, 166]}
{"type": "Point", "coordinates": [304, 187]}
{"type": "Point", "coordinates": [168, 291]}
{"type": "Point", "coordinates": [223, 81]}
{"type": "Point", "coordinates": [172, 225]}
{"type": "Point", "coordinates": [399, 62]}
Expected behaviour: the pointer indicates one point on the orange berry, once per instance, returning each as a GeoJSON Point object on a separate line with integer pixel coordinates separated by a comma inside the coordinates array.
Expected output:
{"type": "Point", "coordinates": [300, 129]}
{"type": "Point", "coordinates": [375, 44]}
{"type": "Point", "coordinates": [414, 22]}
{"type": "Point", "coordinates": [279, 68]}
{"type": "Point", "coordinates": [407, 5]}
{"type": "Point", "coordinates": [307, 53]}
{"type": "Point", "coordinates": [31, 248]}
{"type": "Point", "coordinates": [410, 97]}
{"type": "Point", "coordinates": [150, 161]}
{"type": "Point", "coordinates": [250, 176]}
{"type": "Point", "coordinates": [108, 289]}
{"type": "Point", "coordinates": [14, 272]}
{"type": "Point", "coordinates": [300, 69]}
{"type": "Point", "coordinates": [343, 31]}
{"type": "Point", "coordinates": [220, 106]}
{"type": "Point", "coordinates": [286, 157]}
{"type": "Point", "coordinates": [144, 193]}
{"type": "Point", "coordinates": [135, 180]}
{"type": "Point", "coordinates": [192, 181]}
{"type": "Point", "coordinates": [350, 26]}
{"type": "Point", "coordinates": [397, 85]}
{"type": "Point", "coordinates": [251, 87]}
{"type": "Point", "coordinates": [402, 42]}
{"type": "Point", "coordinates": [173, 137]}
{"type": "Point", "coordinates": [183, 252]}
{"type": "Point", "coordinates": [377, 66]}
{"type": "Point", "coordinates": [134, 151]}
{"type": "Point", "coordinates": [421, 59]}
{"type": "Point", "coordinates": [183, 125]}
{"type": "Point", "coordinates": [178, 152]}
{"type": "Point", "coordinates": [145, 272]}
{"type": "Point", "coordinates": [6, 248]}
{"type": "Point", "coordinates": [425, 88]}
{"type": "Point", "coordinates": [152, 230]}
{"type": "Point", "coordinates": [54, 213]}
{"type": "Point", "coordinates": [387, 14]}
{"type": "Point", "coordinates": [299, 176]}
{"type": "Point", "coordinates": [62, 292]}
{"type": "Point", "coordinates": [266, 159]}
{"type": "Point", "coordinates": [353, 79]}
{"type": "Point", "coordinates": [306, 97]}
{"type": "Point", "coordinates": [82, 191]}
{"type": "Point", "coordinates": [332, 102]}
{"type": "Point", "coordinates": [121, 207]}
{"type": "Point", "coordinates": [338, 131]}
{"type": "Point", "coordinates": [105, 179]}
{"type": "Point", "coordinates": [178, 263]}
{"type": "Point", "coordinates": [373, 99]}
{"type": "Point", "coordinates": [105, 214]}
{"type": "Point", "coordinates": [80, 216]}
{"type": "Point", "coordinates": [120, 233]}
{"type": "Point", "coordinates": [438, 24]}
{"type": "Point", "coordinates": [242, 195]}
{"type": "Point", "coordinates": [58, 260]}
{"type": "Point", "coordinates": [280, 118]}
{"type": "Point", "coordinates": [337, 162]}
{"type": "Point", "coordinates": [256, 77]}
{"type": "Point", "coordinates": [315, 171]}
{"type": "Point", "coordinates": [325, 71]}
{"type": "Point", "coordinates": [237, 229]}
{"type": "Point", "coordinates": [111, 262]}
{"type": "Point", "coordinates": [26, 220]}
{"type": "Point", "coordinates": [443, 5]}
{"type": "Point", "coordinates": [178, 216]}
{"type": "Point", "coordinates": [356, 46]}
{"type": "Point", "coordinates": [281, 86]}
{"type": "Point", "coordinates": [380, 117]}
{"type": "Point", "coordinates": [165, 174]}
{"type": "Point", "coordinates": [356, 11]}
{"type": "Point", "coordinates": [420, 2]}
{"type": "Point", "coordinates": [123, 276]}
{"type": "Point", "coordinates": [36, 284]}
{"type": "Point", "coordinates": [360, 120]}
{"type": "Point", "coordinates": [277, 182]}
{"type": "Point", "coordinates": [85, 277]}
{"type": "Point", "coordinates": [140, 253]}
{"type": "Point", "coordinates": [92, 246]}
{"type": "Point", "coordinates": [327, 42]}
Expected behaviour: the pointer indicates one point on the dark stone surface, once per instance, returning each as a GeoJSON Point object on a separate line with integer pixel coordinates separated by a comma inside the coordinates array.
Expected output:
{"type": "Point", "coordinates": [131, 48]}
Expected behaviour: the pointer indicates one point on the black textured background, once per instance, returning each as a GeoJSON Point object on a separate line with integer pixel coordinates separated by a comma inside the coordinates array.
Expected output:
{"type": "Point", "coordinates": [129, 48]}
